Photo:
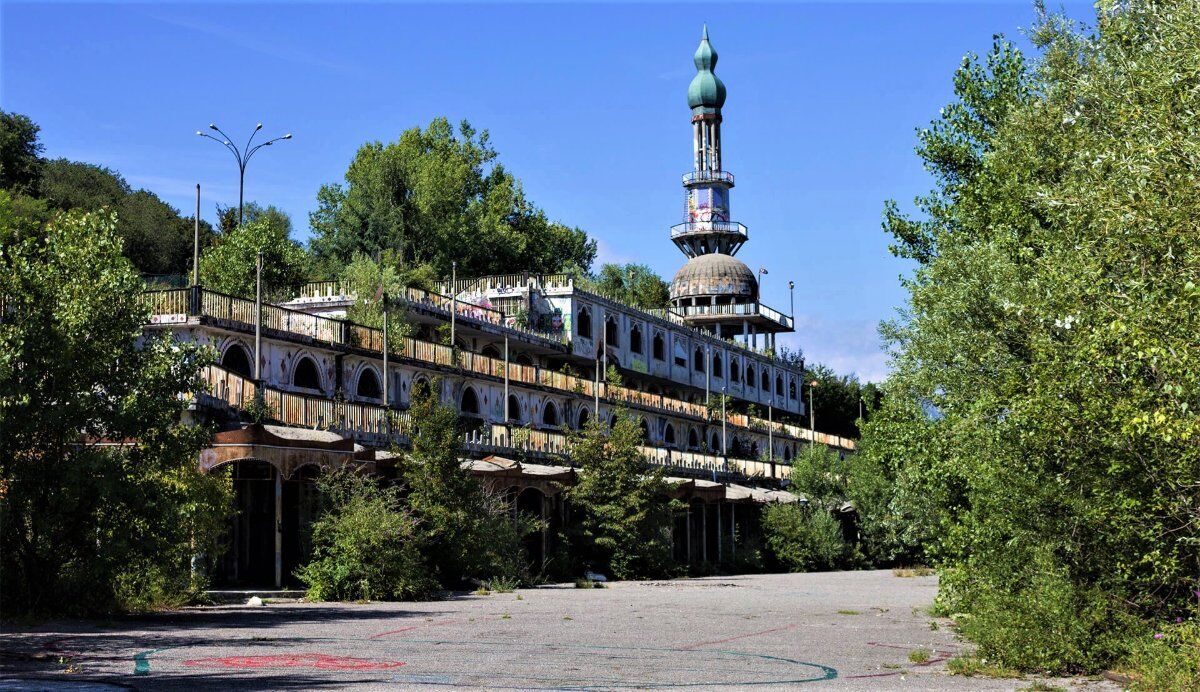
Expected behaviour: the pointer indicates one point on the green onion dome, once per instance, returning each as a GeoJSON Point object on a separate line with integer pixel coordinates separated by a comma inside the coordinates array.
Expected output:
{"type": "Point", "coordinates": [706, 92]}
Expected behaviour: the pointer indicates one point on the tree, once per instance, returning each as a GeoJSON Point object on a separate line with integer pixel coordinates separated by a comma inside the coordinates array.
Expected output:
{"type": "Point", "coordinates": [366, 545]}
{"type": "Point", "coordinates": [87, 526]}
{"type": "Point", "coordinates": [803, 538]}
{"type": "Point", "coordinates": [464, 532]}
{"type": "Point", "coordinates": [1041, 417]}
{"type": "Point", "coordinates": [229, 266]}
{"type": "Point", "coordinates": [277, 219]}
{"type": "Point", "coordinates": [433, 197]}
{"type": "Point", "coordinates": [625, 515]}
{"type": "Point", "coordinates": [632, 284]}
{"type": "Point", "coordinates": [154, 236]}
{"type": "Point", "coordinates": [838, 399]}
{"type": "Point", "coordinates": [20, 152]}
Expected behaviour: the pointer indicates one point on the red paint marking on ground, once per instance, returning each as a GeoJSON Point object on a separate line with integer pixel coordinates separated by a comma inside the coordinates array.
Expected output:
{"type": "Point", "coordinates": [319, 661]}
{"type": "Point", "coordinates": [413, 627]}
{"type": "Point", "coordinates": [740, 636]}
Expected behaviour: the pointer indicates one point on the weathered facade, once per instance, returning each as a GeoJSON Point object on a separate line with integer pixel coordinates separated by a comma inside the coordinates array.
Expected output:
{"type": "Point", "coordinates": [526, 367]}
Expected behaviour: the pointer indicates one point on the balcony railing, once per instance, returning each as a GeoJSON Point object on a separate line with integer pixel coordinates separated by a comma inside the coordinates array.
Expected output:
{"type": "Point", "coordinates": [698, 227]}
{"type": "Point", "coordinates": [375, 423]}
{"type": "Point", "coordinates": [735, 309]}
{"type": "Point", "coordinates": [708, 177]}
{"type": "Point", "coordinates": [342, 332]}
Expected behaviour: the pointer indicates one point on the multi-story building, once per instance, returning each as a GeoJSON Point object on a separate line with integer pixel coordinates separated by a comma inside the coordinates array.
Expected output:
{"type": "Point", "coordinates": [526, 364]}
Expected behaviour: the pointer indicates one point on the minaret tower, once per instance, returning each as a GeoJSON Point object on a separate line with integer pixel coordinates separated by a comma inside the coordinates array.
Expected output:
{"type": "Point", "coordinates": [706, 227]}
{"type": "Point", "coordinates": [715, 290]}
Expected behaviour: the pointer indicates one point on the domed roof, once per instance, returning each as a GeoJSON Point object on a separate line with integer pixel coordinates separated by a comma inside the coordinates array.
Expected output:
{"type": "Point", "coordinates": [714, 275]}
{"type": "Point", "coordinates": [706, 91]}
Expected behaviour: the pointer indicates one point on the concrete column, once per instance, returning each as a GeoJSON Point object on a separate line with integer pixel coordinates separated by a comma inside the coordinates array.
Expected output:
{"type": "Point", "coordinates": [733, 531]}
{"type": "Point", "coordinates": [278, 529]}
{"type": "Point", "coordinates": [689, 533]}
{"type": "Point", "coordinates": [719, 551]}
{"type": "Point", "coordinates": [704, 532]}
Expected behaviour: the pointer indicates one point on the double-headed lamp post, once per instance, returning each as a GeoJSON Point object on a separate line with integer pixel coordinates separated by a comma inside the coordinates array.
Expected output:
{"type": "Point", "coordinates": [242, 155]}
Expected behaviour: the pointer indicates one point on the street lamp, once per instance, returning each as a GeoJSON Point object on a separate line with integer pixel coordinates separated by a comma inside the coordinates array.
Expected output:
{"type": "Point", "coordinates": [792, 300]}
{"type": "Point", "coordinates": [812, 416]}
{"type": "Point", "coordinates": [243, 156]}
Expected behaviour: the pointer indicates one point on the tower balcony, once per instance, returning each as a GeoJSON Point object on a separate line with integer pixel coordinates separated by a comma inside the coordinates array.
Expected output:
{"type": "Point", "coordinates": [699, 177]}
{"type": "Point", "coordinates": [706, 227]}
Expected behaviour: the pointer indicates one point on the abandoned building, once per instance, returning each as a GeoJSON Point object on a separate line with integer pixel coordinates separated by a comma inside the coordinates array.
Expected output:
{"type": "Point", "coordinates": [527, 365]}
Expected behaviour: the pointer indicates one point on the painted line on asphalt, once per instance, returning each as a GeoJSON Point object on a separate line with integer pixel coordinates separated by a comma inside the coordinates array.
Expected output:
{"type": "Point", "coordinates": [736, 637]}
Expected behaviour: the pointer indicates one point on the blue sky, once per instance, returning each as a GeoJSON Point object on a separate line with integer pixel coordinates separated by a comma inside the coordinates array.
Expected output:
{"type": "Point", "coordinates": [585, 103]}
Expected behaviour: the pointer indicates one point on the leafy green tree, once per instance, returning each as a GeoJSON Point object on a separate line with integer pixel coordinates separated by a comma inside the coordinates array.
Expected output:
{"type": "Point", "coordinates": [632, 284]}
{"type": "Point", "coordinates": [229, 266]}
{"type": "Point", "coordinates": [838, 400]}
{"type": "Point", "coordinates": [803, 538]}
{"type": "Point", "coordinates": [624, 514]}
{"type": "Point", "coordinates": [20, 152]}
{"type": "Point", "coordinates": [435, 196]}
{"type": "Point", "coordinates": [464, 532]}
{"type": "Point", "coordinates": [1041, 418]}
{"type": "Point", "coordinates": [366, 545]}
{"type": "Point", "coordinates": [154, 236]}
{"type": "Point", "coordinates": [87, 526]}
{"type": "Point", "coordinates": [227, 217]}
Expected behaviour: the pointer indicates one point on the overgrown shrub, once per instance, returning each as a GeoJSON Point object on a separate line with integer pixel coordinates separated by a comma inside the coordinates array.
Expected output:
{"type": "Point", "coordinates": [803, 538]}
{"type": "Point", "coordinates": [1167, 659]}
{"type": "Point", "coordinates": [366, 545]}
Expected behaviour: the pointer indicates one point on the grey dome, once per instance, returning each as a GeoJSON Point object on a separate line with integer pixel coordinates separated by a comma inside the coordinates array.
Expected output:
{"type": "Point", "coordinates": [714, 275]}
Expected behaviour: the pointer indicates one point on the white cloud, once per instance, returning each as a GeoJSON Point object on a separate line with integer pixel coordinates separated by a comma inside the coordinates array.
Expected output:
{"type": "Point", "coordinates": [849, 346]}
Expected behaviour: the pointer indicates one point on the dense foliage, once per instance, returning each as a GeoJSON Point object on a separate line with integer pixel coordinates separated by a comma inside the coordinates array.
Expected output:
{"type": "Point", "coordinates": [804, 538]}
{"type": "Point", "coordinates": [155, 237]}
{"type": "Point", "coordinates": [101, 503]}
{"type": "Point", "coordinates": [435, 196]}
{"type": "Point", "coordinates": [1042, 417]}
{"type": "Point", "coordinates": [623, 514]}
{"type": "Point", "coordinates": [230, 265]}
{"type": "Point", "coordinates": [366, 544]}
{"type": "Point", "coordinates": [631, 284]}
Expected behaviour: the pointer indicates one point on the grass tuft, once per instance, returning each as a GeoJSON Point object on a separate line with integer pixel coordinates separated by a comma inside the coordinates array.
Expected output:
{"type": "Point", "coordinates": [919, 655]}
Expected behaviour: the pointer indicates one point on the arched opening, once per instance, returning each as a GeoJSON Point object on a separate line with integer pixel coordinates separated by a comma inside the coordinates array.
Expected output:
{"type": "Point", "coordinates": [750, 376]}
{"type": "Point", "coordinates": [611, 335]}
{"type": "Point", "coordinates": [792, 389]}
{"type": "Point", "coordinates": [584, 417]}
{"type": "Point", "coordinates": [470, 402]}
{"type": "Point", "coordinates": [236, 359]}
{"type": "Point", "coordinates": [645, 429]}
{"type": "Point", "coordinates": [531, 503]}
{"type": "Point", "coordinates": [698, 360]}
{"type": "Point", "coordinates": [766, 381]}
{"type": "Point", "coordinates": [660, 347]}
{"type": "Point", "coordinates": [583, 324]}
{"type": "Point", "coordinates": [306, 375]}
{"type": "Point", "coordinates": [715, 443]}
{"type": "Point", "coordinates": [514, 409]}
{"type": "Point", "coordinates": [550, 415]}
{"type": "Point", "coordinates": [368, 385]}
{"type": "Point", "coordinates": [680, 355]}
{"type": "Point", "coordinates": [718, 366]}
{"type": "Point", "coordinates": [735, 371]}
{"type": "Point", "coordinates": [250, 557]}
{"type": "Point", "coordinates": [693, 439]}
{"type": "Point", "coordinates": [490, 351]}
{"type": "Point", "coordinates": [524, 359]}
{"type": "Point", "coordinates": [635, 339]}
{"type": "Point", "coordinates": [787, 453]}
{"type": "Point", "coordinates": [779, 385]}
{"type": "Point", "coordinates": [669, 435]}
{"type": "Point", "coordinates": [420, 389]}
{"type": "Point", "coordinates": [753, 450]}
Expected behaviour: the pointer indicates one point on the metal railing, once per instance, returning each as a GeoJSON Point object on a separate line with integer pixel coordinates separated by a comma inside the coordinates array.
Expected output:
{"type": "Point", "coordinates": [690, 227]}
{"type": "Point", "coordinates": [333, 331]}
{"type": "Point", "coordinates": [708, 177]}
{"type": "Point", "coordinates": [735, 309]}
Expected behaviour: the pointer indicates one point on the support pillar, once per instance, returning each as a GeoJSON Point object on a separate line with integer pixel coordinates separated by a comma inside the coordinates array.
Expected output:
{"type": "Point", "coordinates": [278, 529]}
{"type": "Point", "coordinates": [719, 551]}
{"type": "Point", "coordinates": [704, 532]}
{"type": "Point", "coordinates": [688, 523]}
{"type": "Point", "coordinates": [732, 531]}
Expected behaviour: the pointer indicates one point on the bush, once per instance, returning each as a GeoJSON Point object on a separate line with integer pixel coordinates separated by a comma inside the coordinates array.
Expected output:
{"type": "Point", "coordinates": [1168, 659]}
{"type": "Point", "coordinates": [802, 538]}
{"type": "Point", "coordinates": [366, 546]}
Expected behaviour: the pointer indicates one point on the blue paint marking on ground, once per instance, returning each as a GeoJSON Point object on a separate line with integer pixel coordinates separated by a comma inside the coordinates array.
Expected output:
{"type": "Point", "coordinates": [141, 662]}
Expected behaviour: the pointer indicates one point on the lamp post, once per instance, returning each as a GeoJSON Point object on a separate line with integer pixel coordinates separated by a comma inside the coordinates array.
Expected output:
{"type": "Point", "coordinates": [242, 155]}
{"type": "Point", "coordinates": [724, 443]}
{"type": "Point", "coordinates": [792, 301]}
{"type": "Point", "coordinates": [812, 416]}
{"type": "Point", "coordinates": [453, 301]}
